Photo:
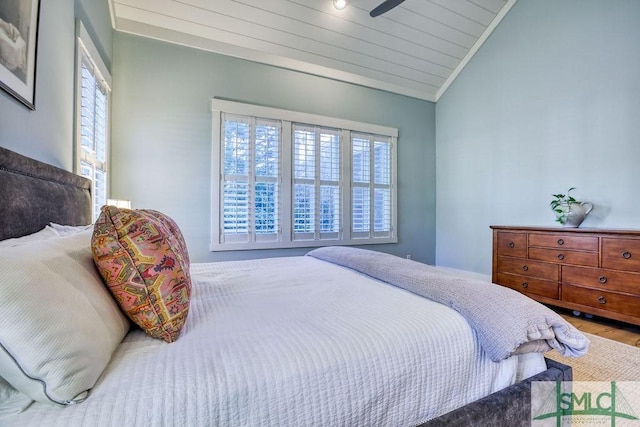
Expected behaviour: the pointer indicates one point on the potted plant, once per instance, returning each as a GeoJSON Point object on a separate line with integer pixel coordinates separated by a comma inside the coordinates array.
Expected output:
{"type": "Point", "coordinates": [569, 211]}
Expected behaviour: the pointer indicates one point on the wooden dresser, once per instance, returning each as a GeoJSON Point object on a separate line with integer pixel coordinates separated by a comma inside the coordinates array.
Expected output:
{"type": "Point", "coordinates": [596, 271]}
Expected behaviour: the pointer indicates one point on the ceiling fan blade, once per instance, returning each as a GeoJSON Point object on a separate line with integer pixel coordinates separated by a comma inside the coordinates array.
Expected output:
{"type": "Point", "coordinates": [384, 7]}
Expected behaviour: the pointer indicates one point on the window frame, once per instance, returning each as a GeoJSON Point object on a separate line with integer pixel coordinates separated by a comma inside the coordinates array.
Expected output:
{"type": "Point", "coordinates": [288, 120]}
{"type": "Point", "coordinates": [87, 51]}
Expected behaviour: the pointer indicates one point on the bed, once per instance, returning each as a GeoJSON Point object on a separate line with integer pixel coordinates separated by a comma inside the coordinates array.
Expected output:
{"type": "Point", "coordinates": [324, 339]}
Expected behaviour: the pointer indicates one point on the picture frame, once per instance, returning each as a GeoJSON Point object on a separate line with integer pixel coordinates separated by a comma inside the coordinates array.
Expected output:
{"type": "Point", "coordinates": [18, 48]}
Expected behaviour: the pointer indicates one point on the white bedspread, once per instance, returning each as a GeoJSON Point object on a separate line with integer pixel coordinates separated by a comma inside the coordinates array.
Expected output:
{"type": "Point", "coordinates": [293, 342]}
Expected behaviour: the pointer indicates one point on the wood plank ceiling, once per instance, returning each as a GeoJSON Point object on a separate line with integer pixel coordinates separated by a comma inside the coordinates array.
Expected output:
{"type": "Point", "coordinates": [416, 49]}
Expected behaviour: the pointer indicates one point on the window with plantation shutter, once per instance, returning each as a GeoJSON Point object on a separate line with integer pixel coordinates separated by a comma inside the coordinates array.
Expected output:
{"type": "Point", "coordinates": [92, 118]}
{"type": "Point", "coordinates": [316, 182]}
{"type": "Point", "coordinates": [371, 186]}
{"type": "Point", "coordinates": [250, 172]}
{"type": "Point", "coordinates": [289, 179]}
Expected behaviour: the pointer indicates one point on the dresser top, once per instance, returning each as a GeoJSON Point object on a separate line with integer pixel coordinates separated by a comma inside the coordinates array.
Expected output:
{"type": "Point", "coordinates": [558, 229]}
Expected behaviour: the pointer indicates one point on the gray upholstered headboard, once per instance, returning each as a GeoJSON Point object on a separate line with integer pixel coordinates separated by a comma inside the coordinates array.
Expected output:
{"type": "Point", "coordinates": [33, 193]}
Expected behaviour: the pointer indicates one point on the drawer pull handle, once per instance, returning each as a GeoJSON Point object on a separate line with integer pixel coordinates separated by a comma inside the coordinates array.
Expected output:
{"type": "Point", "coordinates": [602, 279]}
{"type": "Point", "coordinates": [512, 245]}
{"type": "Point", "coordinates": [626, 254]}
{"type": "Point", "coordinates": [602, 300]}
{"type": "Point", "coordinates": [560, 257]}
{"type": "Point", "coordinates": [525, 285]}
{"type": "Point", "coordinates": [560, 242]}
{"type": "Point", "coordinates": [525, 268]}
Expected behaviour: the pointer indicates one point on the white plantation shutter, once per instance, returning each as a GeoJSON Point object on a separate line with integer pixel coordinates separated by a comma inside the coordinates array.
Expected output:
{"type": "Point", "coordinates": [92, 117]}
{"type": "Point", "coordinates": [250, 175]}
{"type": "Point", "coordinates": [371, 208]}
{"type": "Point", "coordinates": [267, 174]}
{"type": "Point", "coordinates": [360, 184]}
{"type": "Point", "coordinates": [304, 174]}
{"type": "Point", "coordinates": [316, 180]}
{"type": "Point", "coordinates": [235, 183]}
{"type": "Point", "coordinates": [382, 209]}
{"type": "Point", "coordinates": [330, 185]}
{"type": "Point", "coordinates": [288, 179]}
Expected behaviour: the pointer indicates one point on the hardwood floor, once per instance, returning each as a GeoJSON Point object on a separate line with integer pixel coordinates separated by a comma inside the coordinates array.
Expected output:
{"type": "Point", "coordinates": [606, 328]}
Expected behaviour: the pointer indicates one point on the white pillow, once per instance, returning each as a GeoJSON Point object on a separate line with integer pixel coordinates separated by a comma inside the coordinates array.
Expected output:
{"type": "Point", "coordinates": [45, 233]}
{"type": "Point", "coordinates": [65, 230]}
{"type": "Point", "coordinates": [58, 324]}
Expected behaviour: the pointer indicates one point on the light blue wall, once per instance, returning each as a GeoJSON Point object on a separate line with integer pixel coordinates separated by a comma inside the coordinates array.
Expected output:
{"type": "Point", "coordinates": [551, 101]}
{"type": "Point", "coordinates": [161, 139]}
{"type": "Point", "coordinates": [46, 134]}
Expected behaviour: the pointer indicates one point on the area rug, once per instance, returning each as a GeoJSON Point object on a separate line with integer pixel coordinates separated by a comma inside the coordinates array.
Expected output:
{"type": "Point", "coordinates": [606, 360]}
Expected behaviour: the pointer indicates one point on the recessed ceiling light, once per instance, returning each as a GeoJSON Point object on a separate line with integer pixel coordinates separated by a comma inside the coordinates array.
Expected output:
{"type": "Point", "coordinates": [339, 4]}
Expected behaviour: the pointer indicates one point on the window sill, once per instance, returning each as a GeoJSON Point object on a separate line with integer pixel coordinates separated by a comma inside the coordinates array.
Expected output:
{"type": "Point", "coordinates": [222, 247]}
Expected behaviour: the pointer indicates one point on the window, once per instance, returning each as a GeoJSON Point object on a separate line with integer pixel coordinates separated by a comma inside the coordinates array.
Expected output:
{"type": "Point", "coordinates": [288, 179]}
{"type": "Point", "coordinates": [371, 182]}
{"type": "Point", "coordinates": [92, 118]}
{"type": "Point", "coordinates": [250, 165]}
{"type": "Point", "coordinates": [316, 183]}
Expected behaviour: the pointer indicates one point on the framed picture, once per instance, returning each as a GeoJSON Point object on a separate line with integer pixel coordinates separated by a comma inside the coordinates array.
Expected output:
{"type": "Point", "coordinates": [18, 41]}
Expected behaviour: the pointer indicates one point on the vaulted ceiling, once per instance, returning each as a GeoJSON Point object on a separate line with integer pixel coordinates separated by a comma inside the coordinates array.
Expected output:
{"type": "Point", "coordinates": [416, 49]}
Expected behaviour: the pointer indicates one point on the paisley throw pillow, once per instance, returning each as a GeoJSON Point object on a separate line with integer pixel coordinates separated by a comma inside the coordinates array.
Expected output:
{"type": "Point", "coordinates": [145, 265]}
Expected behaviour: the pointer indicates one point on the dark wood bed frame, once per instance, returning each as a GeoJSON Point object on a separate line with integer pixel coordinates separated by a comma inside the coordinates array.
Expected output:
{"type": "Point", "coordinates": [33, 193]}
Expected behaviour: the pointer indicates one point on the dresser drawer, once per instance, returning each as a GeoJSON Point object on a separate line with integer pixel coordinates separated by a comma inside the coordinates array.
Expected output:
{"type": "Point", "coordinates": [610, 301]}
{"type": "Point", "coordinates": [529, 285]}
{"type": "Point", "coordinates": [512, 244]}
{"type": "Point", "coordinates": [607, 280]}
{"type": "Point", "coordinates": [529, 268]}
{"type": "Point", "coordinates": [562, 256]}
{"type": "Point", "coordinates": [564, 241]}
{"type": "Point", "coordinates": [621, 254]}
